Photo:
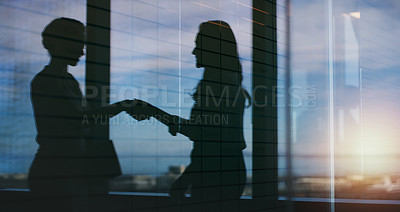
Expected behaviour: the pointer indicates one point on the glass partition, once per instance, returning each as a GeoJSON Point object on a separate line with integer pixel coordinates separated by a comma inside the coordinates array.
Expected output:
{"type": "Point", "coordinates": [343, 113]}
{"type": "Point", "coordinates": [303, 101]}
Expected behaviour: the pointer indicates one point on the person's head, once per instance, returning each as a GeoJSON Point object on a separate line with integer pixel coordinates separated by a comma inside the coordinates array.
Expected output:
{"type": "Point", "coordinates": [64, 38]}
{"type": "Point", "coordinates": [216, 51]}
{"type": "Point", "coordinates": [215, 45]}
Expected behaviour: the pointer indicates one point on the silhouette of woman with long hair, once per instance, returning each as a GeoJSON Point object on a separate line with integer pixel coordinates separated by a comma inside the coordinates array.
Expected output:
{"type": "Point", "coordinates": [59, 167]}
{"type": "Point", "coordinates": [217, 173]}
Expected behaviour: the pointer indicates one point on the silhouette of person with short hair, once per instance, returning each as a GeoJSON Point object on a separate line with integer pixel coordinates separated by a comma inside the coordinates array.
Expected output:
{"type": "Point", "coordinates": [59, 167]}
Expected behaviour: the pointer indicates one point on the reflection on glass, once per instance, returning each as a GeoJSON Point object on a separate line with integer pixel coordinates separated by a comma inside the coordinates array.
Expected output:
{"type": "Point", "coordinates": [365, 109]}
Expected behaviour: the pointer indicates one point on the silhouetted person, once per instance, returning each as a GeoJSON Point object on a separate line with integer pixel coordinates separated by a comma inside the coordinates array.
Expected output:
{"type": "Point", "coordinates": [58, 170]}
{"type": "Point", "coordinates": [217, 173]}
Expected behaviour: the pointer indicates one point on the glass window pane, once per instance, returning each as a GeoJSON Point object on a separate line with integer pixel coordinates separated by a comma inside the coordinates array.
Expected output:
{"type": "Point", "coordinates": [342, 126]}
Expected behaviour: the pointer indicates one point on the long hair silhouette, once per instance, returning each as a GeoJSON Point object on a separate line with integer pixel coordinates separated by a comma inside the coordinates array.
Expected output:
{"type": "Point", "coordinates": [219, 54]}
{"type": "Point", "coordinates": [217, 173]}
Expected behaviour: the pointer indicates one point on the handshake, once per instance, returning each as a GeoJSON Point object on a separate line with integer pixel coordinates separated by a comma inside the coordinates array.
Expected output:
{"type": "Point", "coordinates": [138, 109]}
{"type": "Point", "coordinates": [141, 110]}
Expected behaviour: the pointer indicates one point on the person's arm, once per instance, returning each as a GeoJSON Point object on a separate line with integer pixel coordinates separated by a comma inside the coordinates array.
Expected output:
{"type": "Point", "coordinates": [182, 126]}
{"type": "Point", "coordinates": [112, 109]}
{"type": "Point", "coordinates": [134, 107]}
{"type": "Point", "coordinates": [144, 110]}
{"type": "Point", "coordinates": [175, 123]}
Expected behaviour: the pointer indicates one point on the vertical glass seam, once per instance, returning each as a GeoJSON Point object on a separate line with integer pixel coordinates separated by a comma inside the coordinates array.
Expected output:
{"type": "Point", "coordinates": [331, 108]}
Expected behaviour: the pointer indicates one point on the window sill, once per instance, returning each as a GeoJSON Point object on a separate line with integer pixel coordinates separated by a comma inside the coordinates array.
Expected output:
{"type": "Point", "coordinates": [21, 200]}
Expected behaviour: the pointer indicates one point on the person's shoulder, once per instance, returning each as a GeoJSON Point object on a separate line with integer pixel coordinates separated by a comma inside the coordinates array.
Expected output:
{"type": "Point", "coordinates": [42, 79]}
{"type": "Point", "coordinates": [37, 78]}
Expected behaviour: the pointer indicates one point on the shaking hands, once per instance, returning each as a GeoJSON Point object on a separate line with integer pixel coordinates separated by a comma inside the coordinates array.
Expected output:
{"type": "Point", "coordinates": [173, 129]}
{"type": "Point", "coordinates": [141, 110]}
{"type": "Point", "coordinates": [138, 109]}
